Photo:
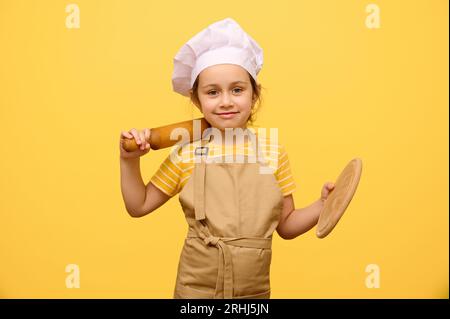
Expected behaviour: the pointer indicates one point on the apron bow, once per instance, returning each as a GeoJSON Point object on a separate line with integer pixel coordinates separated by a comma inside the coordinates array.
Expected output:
{"type": "Point", "coordinates": [213, 240]}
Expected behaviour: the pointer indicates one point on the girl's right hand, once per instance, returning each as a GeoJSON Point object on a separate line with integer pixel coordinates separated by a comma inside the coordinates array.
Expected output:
{"type": "Point", "coordinates": [142, 138]}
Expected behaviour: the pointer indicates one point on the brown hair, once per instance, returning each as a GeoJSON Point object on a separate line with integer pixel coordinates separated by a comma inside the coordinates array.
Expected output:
{"type": "Point", "coordinates": [256, 97]}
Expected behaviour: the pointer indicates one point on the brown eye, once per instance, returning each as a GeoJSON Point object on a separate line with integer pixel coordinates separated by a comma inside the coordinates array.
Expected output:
{"type": "Point", "coordinates": [240, 90]}
{"type": "Point", "coordinates": [211, 91]}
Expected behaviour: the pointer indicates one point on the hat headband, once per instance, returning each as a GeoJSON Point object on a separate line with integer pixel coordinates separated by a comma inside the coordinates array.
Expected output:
{"type": "Point", "coordinates": [226, 55]}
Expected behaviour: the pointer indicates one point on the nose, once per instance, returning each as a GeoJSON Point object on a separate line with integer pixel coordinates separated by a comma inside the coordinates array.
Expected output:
{"type": "Point", "coordinates": [226, 100]}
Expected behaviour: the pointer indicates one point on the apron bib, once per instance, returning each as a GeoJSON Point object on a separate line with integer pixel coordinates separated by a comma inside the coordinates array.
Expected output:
{"type": "Point", "coordinates": [232, 210]}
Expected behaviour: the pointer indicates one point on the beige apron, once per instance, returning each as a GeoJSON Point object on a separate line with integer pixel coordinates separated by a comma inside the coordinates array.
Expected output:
{"type": "Point", "coordinates": [232, 210]}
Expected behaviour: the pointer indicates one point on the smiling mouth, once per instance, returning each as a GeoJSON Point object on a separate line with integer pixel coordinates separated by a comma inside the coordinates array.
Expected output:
{"type": "Point", "coordinates": [226, 113]}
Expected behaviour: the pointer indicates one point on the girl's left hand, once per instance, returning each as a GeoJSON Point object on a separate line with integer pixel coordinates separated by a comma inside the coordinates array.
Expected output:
{"type": "Point", "coordinates": [326, 190]}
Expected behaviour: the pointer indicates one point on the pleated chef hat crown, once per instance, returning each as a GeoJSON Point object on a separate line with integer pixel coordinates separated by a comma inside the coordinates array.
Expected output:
{"type": "Point", "coordinates": [221, 42]}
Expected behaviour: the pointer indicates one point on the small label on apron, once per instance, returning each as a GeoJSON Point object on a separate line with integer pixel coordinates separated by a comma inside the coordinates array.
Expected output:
{"type": "Point", "coordinates": [201, 150]}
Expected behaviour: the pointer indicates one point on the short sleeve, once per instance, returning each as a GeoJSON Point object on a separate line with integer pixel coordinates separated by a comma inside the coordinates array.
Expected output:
{"type": "Point", "coordinates": [283, 173]}
{"type": "Point", "coordinates": [167, 178]}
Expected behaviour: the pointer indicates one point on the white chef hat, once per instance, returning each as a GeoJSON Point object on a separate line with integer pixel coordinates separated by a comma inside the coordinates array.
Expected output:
{"type": "Point", "coordinates": [221, 42]}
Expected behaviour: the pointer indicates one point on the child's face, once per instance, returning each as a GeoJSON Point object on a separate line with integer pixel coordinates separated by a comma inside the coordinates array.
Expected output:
{"type": "Point", "coordinates": [218, 94]}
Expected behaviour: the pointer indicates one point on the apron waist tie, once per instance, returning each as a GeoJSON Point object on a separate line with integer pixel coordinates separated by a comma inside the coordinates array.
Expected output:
{"type": "Point", "coordinates": [225, 267]}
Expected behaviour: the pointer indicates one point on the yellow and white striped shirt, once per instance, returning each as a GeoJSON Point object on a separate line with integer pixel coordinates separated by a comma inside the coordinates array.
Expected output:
{"type": "Point", "coordinates": [177, 168]}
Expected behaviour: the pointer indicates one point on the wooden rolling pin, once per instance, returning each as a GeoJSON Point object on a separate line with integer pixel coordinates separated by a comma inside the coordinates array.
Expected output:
{"type": "Point", "coordinates": [160, 136]}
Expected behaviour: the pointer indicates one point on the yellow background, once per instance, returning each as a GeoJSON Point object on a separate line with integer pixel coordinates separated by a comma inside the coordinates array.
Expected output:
{"type": "Point", "coordinates": [335, 89]}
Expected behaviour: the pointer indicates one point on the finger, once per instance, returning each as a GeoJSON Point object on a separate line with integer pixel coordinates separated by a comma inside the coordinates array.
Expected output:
{"type": "Point", "coordinates": [147, 134]}
{"type": "Point", "coordinates": [126, 134]}
{"type": "Point", "coordinates": [142, 136]}
{"type": "Point", "coordinates": [135, 134]}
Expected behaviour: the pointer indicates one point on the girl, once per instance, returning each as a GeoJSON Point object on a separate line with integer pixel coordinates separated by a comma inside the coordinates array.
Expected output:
{"type": "Point", "coordinates": [232, 209]}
